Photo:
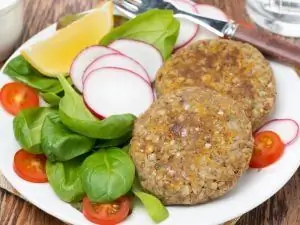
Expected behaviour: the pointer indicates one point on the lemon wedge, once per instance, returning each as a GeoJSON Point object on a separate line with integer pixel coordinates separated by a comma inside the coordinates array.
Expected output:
{"type": "Point", "coordinates": [55, 55]}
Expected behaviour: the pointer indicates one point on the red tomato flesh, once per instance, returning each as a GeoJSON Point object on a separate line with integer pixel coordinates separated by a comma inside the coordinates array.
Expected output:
{"type": "Point", "coordinates": [30, 167]}
{"type": "Point", "coordinates": [107, 213]}
{"type": "Point", "coordinates": [16, 96]}
{"type": "Point", "coordinates": [268, 148]}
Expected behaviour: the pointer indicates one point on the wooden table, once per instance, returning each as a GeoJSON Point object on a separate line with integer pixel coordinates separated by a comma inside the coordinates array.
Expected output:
{"type": "Point", "coordinates": [282, 209]}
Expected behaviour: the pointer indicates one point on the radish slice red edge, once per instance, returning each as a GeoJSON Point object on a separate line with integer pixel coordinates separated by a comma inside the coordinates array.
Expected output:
{"type": "Point", "coordinates": [145, 54]}
{"type": "Point", "coordinates": [212, 12]}
{"type": "Point", "coordinates": [188, 30]}
{"type": "Point", "coordinates": [83, 60]}
{"type": "Point", "coordinates": [277, 125]}
{"type": "Point", "coordinates": [117, 60]}
{"type": "Point", "coordinates": [112, 91]}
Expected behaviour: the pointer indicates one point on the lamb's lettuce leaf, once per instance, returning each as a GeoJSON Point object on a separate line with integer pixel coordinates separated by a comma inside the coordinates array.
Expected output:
{"type": "Point", "coordinates": [107, 175]}
{"type": "Point", "coordinates": [28, 125]}
{"type": "Point", "coordinates": [61, 144]}
{"type": "Point", "coordinates": [64, 178]}
{"type": "Point", "coordinates": [21, 70]}
{"type": "Point", "coordinates": [156, 210]}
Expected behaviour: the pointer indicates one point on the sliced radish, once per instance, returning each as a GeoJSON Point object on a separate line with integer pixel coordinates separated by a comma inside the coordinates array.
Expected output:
{"type": "Point", "coordinates": [83, 59]}
{"type": "Point", "coordinates": [188, 30]}
{"type": "Point", "coordinates": [212, 12]}
{"type": "Point", "coordinates": [112, 91]}
{"type": "Point", "coordinates": [119, 61]}
{"type": "Point", "coordinates": [287, 129]}
{"type": "Point", "coordinates": [147, 55]}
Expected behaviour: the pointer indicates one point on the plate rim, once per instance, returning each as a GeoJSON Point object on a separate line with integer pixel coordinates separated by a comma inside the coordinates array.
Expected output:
{"type": "Point", "coordinates": [66, 219]}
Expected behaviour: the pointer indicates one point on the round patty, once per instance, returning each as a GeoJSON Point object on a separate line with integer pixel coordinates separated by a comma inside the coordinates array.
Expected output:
{"type": "Point", "coordinates": [191, 146]}
{"type": "Point", "coordinates": [229, 67]}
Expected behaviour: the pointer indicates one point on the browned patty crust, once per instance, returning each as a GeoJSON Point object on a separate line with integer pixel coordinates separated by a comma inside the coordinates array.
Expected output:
{"type": "Point", "coordinates": [229, 67]}
{"type": "Point", "coordinates": [191, 146]}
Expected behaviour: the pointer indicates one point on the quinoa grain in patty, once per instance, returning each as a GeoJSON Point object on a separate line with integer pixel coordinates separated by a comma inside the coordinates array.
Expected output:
{"type": "Point", "coordinates": [191, 146]}
{"type": "Point", "coordinates": [229, 67]}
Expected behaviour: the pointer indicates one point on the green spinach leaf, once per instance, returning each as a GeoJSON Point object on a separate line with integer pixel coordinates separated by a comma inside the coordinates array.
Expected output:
{"type": "Point", "coordinates": [61, 144]}
{"type": "Point", "coordinates": [107, 174]}
{"type": "Point", "coordinates": [64, 178]}
{"type": "Point", "coordinates": [51, 98]}
{"type": "Point", "coordinates": [156, 210]}
{"type": "Point", "coordinates": [28, 125]}
{"type": "Point", "coordinates": [77, 205]}
{"type": "Point", "coordinates": [126, 148]}
{"type": "Point", "coordinates": [74, 114]}
{"type": "Point", "coordinates": [21, 70]}
{"type": "Point", "coordinates": [101, 143]}
{"type": "Point", "coordinates": [156, 27]}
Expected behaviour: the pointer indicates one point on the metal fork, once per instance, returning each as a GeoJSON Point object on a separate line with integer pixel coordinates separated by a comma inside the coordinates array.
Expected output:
{"type": "Point", "coordinates": [279, 49]}
{"type": "Point", "coordinates": [133, 7]}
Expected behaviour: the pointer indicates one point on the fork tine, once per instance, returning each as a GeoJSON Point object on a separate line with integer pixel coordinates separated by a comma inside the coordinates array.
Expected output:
{"type": "Point", "coordinates": [125, 5]}
{"type": "Point", "coordinates": [135, 2]}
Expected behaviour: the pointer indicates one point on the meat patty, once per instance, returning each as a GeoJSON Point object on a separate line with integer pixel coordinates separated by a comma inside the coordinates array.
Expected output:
{"type": "Point", "coordinates": [191, 146]}
{"type": "Point", "coordinates": [229, 67]}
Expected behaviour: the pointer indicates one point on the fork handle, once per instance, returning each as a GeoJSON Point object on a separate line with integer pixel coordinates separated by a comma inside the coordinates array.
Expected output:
{"type": "Point", "coordinates": [269, 45]}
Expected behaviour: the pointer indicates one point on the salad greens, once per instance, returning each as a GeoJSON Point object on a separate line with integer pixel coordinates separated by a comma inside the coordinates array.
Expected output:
{"type": "Point", "coordinates": [107, 175]}
{"type": "Point", "coordinates": [156, 210]}
{"type": "Point", "coordinates": [19, 69]}
{"type": "Point", "coordinates": [126, 148]}
{"type": "Point", "coordinates": [74, 114]}
{"type": "Point", "coordinates": [82, 151]}
{"type": "Point", "coordinates": [51, 98]}
{"type": "Point", "coordinates": [61, 144]}
{"type": "Point", "coordinates": [156, 27]}
{"type": "Point", "coordinates": [113, 142]}
{"type": "Point", "coordinates": [64, 178]}
{"type": "Point", "coordinates": [28, 125]}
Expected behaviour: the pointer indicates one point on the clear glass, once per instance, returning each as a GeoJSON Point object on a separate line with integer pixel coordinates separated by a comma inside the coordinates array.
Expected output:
{"type": "Point", "coordinates": [278, 16]}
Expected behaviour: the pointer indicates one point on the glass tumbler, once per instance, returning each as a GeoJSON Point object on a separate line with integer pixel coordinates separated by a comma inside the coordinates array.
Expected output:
{"type": "Point", "coordinates": [11, 25]}
{"type": "Point", "coordinates": [278, 16]}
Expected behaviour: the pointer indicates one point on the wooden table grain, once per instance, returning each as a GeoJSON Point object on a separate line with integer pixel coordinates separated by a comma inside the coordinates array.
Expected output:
{"type": "Point", "coordinates": [281, 209]}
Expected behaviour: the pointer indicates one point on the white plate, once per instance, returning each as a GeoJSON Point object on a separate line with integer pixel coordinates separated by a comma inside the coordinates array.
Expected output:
{"type": "Point", "coordinates": [253, 189]}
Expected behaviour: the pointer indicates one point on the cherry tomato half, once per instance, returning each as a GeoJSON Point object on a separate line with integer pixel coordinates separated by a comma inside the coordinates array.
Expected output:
{"type": "Point", "coordinates": [268, 148]}
{"type": "Point", "coordinates": [107, 213]}
{"type": "Point", "coordinates": [30, 167]}
{"type": "Point", "coordinates": [16, 96]}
